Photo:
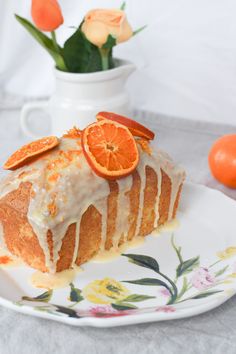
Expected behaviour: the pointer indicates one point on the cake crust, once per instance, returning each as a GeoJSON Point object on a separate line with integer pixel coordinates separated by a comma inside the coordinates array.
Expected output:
{"type": "Point", "coordinates": [137, 205]}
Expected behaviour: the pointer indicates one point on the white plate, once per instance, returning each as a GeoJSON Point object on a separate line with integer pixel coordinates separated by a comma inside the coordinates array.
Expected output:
{"type": "Point", "coordinates": [181, 273]}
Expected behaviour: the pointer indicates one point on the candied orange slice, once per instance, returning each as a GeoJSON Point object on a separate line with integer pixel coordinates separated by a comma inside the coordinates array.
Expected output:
{"type": "Point", "coordinates": [110, 149]}
{"type": "Point", "coordinates": [27, 152]}
{"type": "Point", "coordinates": [136, 128]}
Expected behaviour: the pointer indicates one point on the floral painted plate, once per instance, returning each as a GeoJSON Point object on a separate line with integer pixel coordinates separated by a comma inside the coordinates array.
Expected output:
{"type": "Point", "coordinates": [182, 272]}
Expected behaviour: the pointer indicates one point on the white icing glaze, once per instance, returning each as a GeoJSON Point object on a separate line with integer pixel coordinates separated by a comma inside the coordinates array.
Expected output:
{"type": "Point", "coordinates": [141, 169]}
{"type": "Point", "coordinates": [123, 210]}
{"type": "Point", "coordinates": [64, 186]}
{"type": "Point", "coordinates": [101, 206]}
{"type": "Point", "coordinates": [53, 281]}
{"type": "Point", "coordinates": [159, 179]}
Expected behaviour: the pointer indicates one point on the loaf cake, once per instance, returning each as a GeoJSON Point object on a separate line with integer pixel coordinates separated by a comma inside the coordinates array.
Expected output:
{"type": "Point", "coordinates": [56, 212]}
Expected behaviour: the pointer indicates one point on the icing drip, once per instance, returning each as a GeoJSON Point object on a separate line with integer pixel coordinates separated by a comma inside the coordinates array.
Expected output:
{"type": "Point", "coordinates": [123, 211]}
{"type": "Point", "coordinates": [77, 233]}
{"type": "Point", "coordinates": [141, 169]}
{"type": "Point", "coordinates": [64, 186]}
{"type": "Point", "coordinates": [175, 184]}
{"type": "Point", "coordinates": [158, 160]}
{"type": "Point", "coordinates": [159, 179]}
{"type": "Point", "coordinates": [101, 207]}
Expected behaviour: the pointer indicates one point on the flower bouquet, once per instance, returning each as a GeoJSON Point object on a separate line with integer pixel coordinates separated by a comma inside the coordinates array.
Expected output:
{"type": "Point", "coordinates": [89, 48]}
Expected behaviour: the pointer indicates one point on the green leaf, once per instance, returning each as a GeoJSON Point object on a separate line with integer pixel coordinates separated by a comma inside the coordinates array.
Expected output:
{"type": "Point", "coordinates": [110, 60]}
{"type": "Point", "coordinates": [139, 30]}
{"type": "Point", "coordinates": [137, 298]}
{"type": "Point", "coordinates": [206, 294]}
{"type": "Point", "coordinates": [44, 41]}
{"type": "Point", "coordinates": [110, 43]}
{"type": "Point", "coordinates": [80, 55]}
{"type": "Point", "coordinates": [148, 281]}
{"type": "Point", "coordinates": [122, 306]}
{"type": "Point", "coordinates": [66, 311]}
{"type": "Point", "coordinates": [187, 266]}
{"type": "Point", "coordinates": [123, 6]}
{"type": "Point", "coordinates": [75, 294]}
{"type": "Point", "coordinates": [143, 261]}
{"type": "Point", "coordinates": [221, 271]}
{"type": "Point", "coordinates": [45, 297]}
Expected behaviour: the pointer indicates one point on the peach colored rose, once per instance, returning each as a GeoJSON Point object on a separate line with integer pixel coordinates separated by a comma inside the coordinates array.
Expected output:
{"type": "Point", "coordinates": [99, 23]}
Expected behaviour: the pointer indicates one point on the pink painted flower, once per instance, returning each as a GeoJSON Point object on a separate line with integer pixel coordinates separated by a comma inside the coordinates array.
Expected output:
{"type": "Point", "coordinates": [166, 309]}
{"type": "Point", "coordinates": [202, 278]}
{"type": "Point", "coordinates": [104, 311]}
{"type": "Point", "coordinates": [164, 292]}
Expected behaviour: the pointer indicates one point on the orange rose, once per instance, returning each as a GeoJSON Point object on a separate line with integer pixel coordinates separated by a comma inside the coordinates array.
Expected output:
{"type": "Point", "coordinates": [99, 23]}
{"type": "Point", "coordinates": [46, 14]}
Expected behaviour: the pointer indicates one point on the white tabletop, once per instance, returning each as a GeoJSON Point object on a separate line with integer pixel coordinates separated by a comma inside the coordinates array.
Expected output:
{"type": "Point", "coordinates": [188, 142]}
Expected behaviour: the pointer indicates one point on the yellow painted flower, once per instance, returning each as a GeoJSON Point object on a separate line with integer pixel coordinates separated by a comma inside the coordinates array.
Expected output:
{"type": "Point", "coordinates": [227, 253]}
{"type": "Point", "coordinates": [227, 282]}
{"type": "Point", "coordinates": [105, 291]}
{"type": "Point", "coordinates": [232, 275]}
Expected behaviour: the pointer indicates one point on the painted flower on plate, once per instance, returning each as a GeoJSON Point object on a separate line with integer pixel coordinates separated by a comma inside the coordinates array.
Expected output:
{"type": "Point", "coordinates": [227, 253]}
{"type": "Point", "coordinates": [107, 311]}
{"type": "Point", "coordinates": [164, 292]}
{"type": "Point", "coordinates": [202, 278]}
{"type": "Point", "coordinates": [166, 309]}
{"type": "Point", "coordinates": [105, 291]}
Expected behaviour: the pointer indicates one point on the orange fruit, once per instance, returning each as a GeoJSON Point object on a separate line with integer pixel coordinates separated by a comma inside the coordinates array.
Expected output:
{"type": "Point", "coordinates": [222, 160]}
{"type": "Point", "coordinates": [27, 152]}
{"type": "Point", "coordinates": [136, 128]}
{"type": "Point", "coordinates": [110, 149]}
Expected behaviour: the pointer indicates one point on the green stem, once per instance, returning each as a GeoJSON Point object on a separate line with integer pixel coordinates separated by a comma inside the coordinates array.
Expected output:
{"type": "Point", "coordinates": [184, 288]}
{"type": "Point", "coordinates": [212, 265]}
{"type": "Point", "coordinates": [174, 287]}
{"type": "Point", "coordinates": [105, 58]}
{"type": "Point", "coordinates": [177, 250]}
{"type": "Point", "coordinates": [60, 63]}
{"type": "Point", "coordinates": [54, 39]}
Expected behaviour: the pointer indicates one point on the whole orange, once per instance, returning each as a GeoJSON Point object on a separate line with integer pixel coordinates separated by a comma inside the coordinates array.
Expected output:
{"type": "Point", "coordinates": [222, 160]}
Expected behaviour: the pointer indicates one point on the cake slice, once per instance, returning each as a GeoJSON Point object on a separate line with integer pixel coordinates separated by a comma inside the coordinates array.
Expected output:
{"type": "Point", "coordinates": [56, 212]}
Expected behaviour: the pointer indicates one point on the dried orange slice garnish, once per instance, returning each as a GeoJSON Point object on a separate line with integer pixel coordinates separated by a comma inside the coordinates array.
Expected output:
{"type": "Point", "coordinates": [27, 152]}
{"type": "Point", "coordinates": [136, 128]}
{"type": "Point", "coordinates": [110, 149]}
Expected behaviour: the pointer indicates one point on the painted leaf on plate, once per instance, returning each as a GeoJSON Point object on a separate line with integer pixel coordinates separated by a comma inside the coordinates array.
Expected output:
{"type": "Point", "coordinates": [187, 266]}
{"type": "Point", "coordinates": [148, 282]}
{"type": "Point", "coordinates": [122, 306]}
{"type": "Point", "coordinates": [143, 261]}
{"type": "Point", "coordinates": [75, 294]}
{"type": "Point", "coordinates": [137, 298]}
{"type": "Point", "coordinates": [45, 297]}
{"type": "Point", "coordinates": [205, 294]}
{"type": "Point", "coordinates": [221, 271]}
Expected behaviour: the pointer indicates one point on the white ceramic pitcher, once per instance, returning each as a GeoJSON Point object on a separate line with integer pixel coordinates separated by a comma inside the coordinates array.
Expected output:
{"type": "Point", "coordinates": [78, 97]}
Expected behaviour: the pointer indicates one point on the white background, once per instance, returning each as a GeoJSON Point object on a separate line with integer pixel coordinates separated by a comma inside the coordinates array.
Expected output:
{"type": "Point", "coordinates": [186, 57]}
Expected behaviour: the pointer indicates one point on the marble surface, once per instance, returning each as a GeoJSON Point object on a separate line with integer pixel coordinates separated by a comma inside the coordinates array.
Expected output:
{"type": "Point", "coordinates": [188, 143]}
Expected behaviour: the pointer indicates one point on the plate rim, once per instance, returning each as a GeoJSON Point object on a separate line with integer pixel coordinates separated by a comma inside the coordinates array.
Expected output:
{"type": "Point", "coordinates": [137, 318]}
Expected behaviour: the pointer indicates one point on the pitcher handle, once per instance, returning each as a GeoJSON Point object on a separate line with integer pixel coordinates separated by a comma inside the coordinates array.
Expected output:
{"type": "Point", "coordinates": [24, 116]}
